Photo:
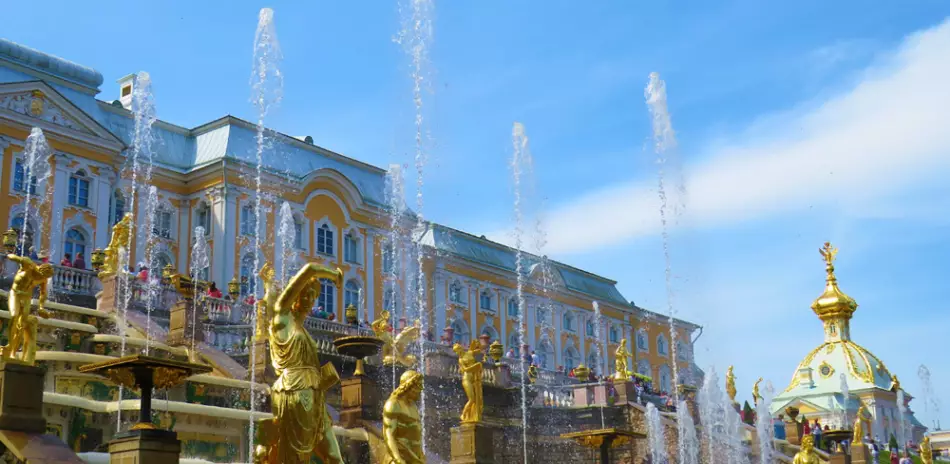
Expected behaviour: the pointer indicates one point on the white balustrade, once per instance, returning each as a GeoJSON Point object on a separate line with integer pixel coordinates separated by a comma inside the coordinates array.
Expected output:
{"type": "Point", "coordinates": [72, 280]}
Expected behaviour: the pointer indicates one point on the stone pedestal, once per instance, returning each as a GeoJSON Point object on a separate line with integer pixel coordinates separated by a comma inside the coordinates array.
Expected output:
{"type": "Point", "coordinates": [502, 375]}
{"type": "Point", "coordinates": [180, 327]}
{"type": "Point", "coordinates": [626, 392]}
{"type": "Point", "coordinates": [582, 396]}
{"type": "Point", "coordinates": [792, 434]}
{"type": "Point", "coordinates": [106, 298]}
{"type": "Point", "coordinates": [860, 454]}
{"type": "Point", "coordinates": [150, 446]}
{"type": "Point", "coordinates": [838, 458]}
{"type": "Point", "coordinates": [600, 395]}
{"type": "Point", "coordinates": [473, 444]}
{"type": "Point", "coordinates": [21, 398]}
{"type": "Point", "coordinates": [361, 401]}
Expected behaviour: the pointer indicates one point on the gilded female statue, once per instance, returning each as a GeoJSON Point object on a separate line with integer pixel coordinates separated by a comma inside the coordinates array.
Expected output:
{"type": "Point", "coordinates": [20, 300]}
{"type": "Point", "coordinates": [807, 454]}
{"type": "Point", "coordinates": [756, 397]}
{"type": "Point", "coordinates": [471, 370]}
{"type": "Point", "coordinates": [731, 384]}
{"type": "Point", "coordinates": [120, 239]}
{"type": "Point", "coordinates": [299, 395]}
{"type": "Point", "coordinates": [860, 420]}
{"type": "Point", "coordinates": [926, 451]}
{"type": "Point", "coordinates": [402, 429]}
{"type": "Point", "coordinates": [620, 363]}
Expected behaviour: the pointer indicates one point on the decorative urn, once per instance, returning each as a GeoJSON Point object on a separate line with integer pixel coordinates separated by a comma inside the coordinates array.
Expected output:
{"type": "Point", "coordinates": [582, 373]}
{"type": "Point", "coordinates": [485, 340]}
{"type": "Point", "coordinates": [532, 373]}
{"type": "Point", "coordinates": [359, 347]}
{"type": "Point", "coordinates": [351, 314]}
{"type": "Point", "coordinates": [9, 240]}
{"type": "Point", "coordinates": [792, 412]}
{"type": "Point", "coordinates": [495, 350]}
{"type": "Point", "coordinates": [167, 272]}
{"type": "Point", "coordinates": [234, 288]}
{"type": "Point", "coordinates": [98, 258]}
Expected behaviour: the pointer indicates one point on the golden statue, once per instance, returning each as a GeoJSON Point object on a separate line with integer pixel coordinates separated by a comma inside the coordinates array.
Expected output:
{"type": "Point", "coordinates": [120, 239]}
{"type": "Point", "coordinates": [895, 384]}
{"type": "Point", "coordinates": [755, 391]}
{"type": "Point", "coordinates": [402, 429]}
{"type": "Point", "coordinates": [828, 252]}
{"type": "Point", "coordinates": [265, 307]}
{"type": "Point", "coordinates": [298, 396]}
{"type": "Point", "coordinates": [807, 454]}
{"type": "Point", "coordinates": [19, 302]}
{"type": "Point", "coordinates": [926, 451]}
{"type": "Point", "coordinates": [620, 363]}
{"type": "Point", "coordinates": [731, 384]}
{"type": "Point", "coordinates": [471, 370]}
{"type": "Point", "coordinates": [394, 348]}
{"type": "Point", "coordinates": [860, 422]}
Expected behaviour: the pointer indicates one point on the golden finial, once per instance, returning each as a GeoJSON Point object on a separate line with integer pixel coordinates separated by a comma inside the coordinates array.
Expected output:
{"type": "Point", "coordinates": [829, 252]}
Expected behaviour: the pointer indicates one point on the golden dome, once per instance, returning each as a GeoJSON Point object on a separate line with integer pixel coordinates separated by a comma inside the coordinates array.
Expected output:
{"type": "Point", "coordinates": [833, 303]}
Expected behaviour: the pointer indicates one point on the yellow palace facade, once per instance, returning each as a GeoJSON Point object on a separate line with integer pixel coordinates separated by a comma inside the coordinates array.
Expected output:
{"type": "Point", "coordinates": [202, 176]}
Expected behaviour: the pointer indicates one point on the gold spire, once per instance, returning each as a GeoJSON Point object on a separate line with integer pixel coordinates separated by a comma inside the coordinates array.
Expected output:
{"type": "Point", "coordinates": [833, 303]}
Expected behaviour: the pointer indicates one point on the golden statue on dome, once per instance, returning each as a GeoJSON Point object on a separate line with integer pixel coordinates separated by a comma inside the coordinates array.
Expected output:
{"type": "Point", "coordinates": [19, 302]}
{"type": "Point", "coordinates": [620, 362]}
{"type": "Point", "coordinates": [471, 370]}
{"type": "Point", "coordinates": [394, 348]}
{"type": "Point", "coordinates": [121, 232]}
{"type": "Point", "coordinates": [402, 427]}
{"type": "Point", "coordinates": [298, 395]}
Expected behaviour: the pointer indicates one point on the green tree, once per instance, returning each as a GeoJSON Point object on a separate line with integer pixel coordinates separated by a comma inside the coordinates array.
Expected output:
{"type": "Point", "coordinates": [892, 443]}
{"type": "Point", "coordinates": [748, 415]}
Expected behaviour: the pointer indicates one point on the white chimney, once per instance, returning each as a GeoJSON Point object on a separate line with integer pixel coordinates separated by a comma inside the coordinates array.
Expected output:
{"type": "Point", "coordinates": [126, 85]}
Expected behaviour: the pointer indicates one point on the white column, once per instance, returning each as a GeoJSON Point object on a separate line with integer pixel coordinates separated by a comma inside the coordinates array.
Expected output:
{"type": "Point", "coordinates": [582, 327]}
{"type": "Point", "coordinates": [441, 299]}
{"type": "Point", "coordinates": [60, 186]}
{"type": "Point", "coordinates": [104, 189]}
{"type": "Point", "coordinates": [219, 217]}
{"type": "Point", "coordinates": [531, 317]}
{"type": "Point", "coordinates": [503, 318]}
{"type": "Point", "coordinates": [474, 297]}
{"type": "Point", "coordinates": [226, 257]}
{"type": "Point", "coordinates": [184, 235]}
{"type": "Point", "coordinates": [558, 324]}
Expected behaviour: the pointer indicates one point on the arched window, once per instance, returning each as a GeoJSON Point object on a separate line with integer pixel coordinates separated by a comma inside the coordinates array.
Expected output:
{"type": "Point", "coordinates": [118, 207]}
{"type": "Point", "coordinates": [644, 368]}
{"type": "Point", "coordinates": [298, 233]}
{"type": "Point", "coordinates": [455, 292]}
{"type": "Point", "coordinates": [389, 298]}
{"type": "Point", "coordinates": [75, 243]}
{"type": "Point", "coordinates": [17, 225]}
{"type": "Point", "coordinates": [593, 362]}
{"type": "Point", "coordinates": [546, 354]}
{"type": "Point", "coordinates": [485, 300]}
{"type": "Point", "coordinates": [247, 274]}
{"type": "Point", "coordinates": [491, 332]}
{"type": "Point", "coordinates": [681, 351]}
{"type": "Point", "coordinates": [590, 329]}
{"type": "Point", "coordinates": [351, 294]}
{"type": "Point", "coordinates": [661, 346]}
{"type": "Point", "coordinates": [571, 358]}
{"type": "Point", "coordinates": [248, 220]}
{"type": "Point", "coordinates": [460, 332]}
{"type": "Point", "coordinates": [543, 316]}
{"type": "Point", "coordinates": [203, 217]}
{"type": "Point", "coordinates": [665, 378]}
{"type": "Point", "coordinates": [568, 321]}
{"type": "Point", "coordinates": [79, 189]}
{"type": "Point", "coordinates": [325, 240]}
{"type": "Point", "coordinates": [163, 223]}
{"type": "Point", "coordinates": [643, 343]}
{"type": "Point", "coordinates": [614, 334]}
{"type": "Point", "coordinates": [20, 173]}
{"type": "Point", "coordinates": [513, 341]}
{"type": "Point", "coordinates": [159, 262]}
{"type": "Point", "coordinates": [513, 307]}
{"type": "Point", "coordinates": [389, 257]}
{"type": "Point", "coordinates": [351, 248]}
{"type": "Point", "coordinates": [327, 296]}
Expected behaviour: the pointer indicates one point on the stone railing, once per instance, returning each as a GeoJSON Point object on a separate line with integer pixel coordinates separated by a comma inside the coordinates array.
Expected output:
{"type": "Point", "coordinates": [217, 310]}
{"type": "Point", "coordinates": [315, 326]}
{"type": "Point", "coordinates": [75, 281]}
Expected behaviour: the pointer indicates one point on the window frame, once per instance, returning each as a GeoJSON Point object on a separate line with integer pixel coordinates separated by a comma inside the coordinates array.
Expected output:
{"type": "Point", "coordinates": [325, 240]}
{"type": "Point", "coordinates": [74, 188]}
{"type": "Point", "coordinates": [74, 247]}
{"type": "Point", "coordinates": [327, 297]}
{"type": "Point", "coordinates": [513, 303]}
{"type": "Point", "coordinates": [455, 292]}
{"type": "Point", "coordinates": [347, 290]}
{"type": "Point", "coordinates": [20, 170]}
{"type": "Point", "coordinates": [351, 240]}
{"type": "Point", "coordinates": [484, 297]}
{"type": "Point", "coordinates": [248, 220]}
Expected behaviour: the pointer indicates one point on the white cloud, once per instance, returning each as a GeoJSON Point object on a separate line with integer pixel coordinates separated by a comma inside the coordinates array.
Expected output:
{"type": "Point", "coordinates": [886, 132]}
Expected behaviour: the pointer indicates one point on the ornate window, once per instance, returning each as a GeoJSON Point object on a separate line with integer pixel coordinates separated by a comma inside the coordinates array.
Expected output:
{"type": "Point", "coordinates": [593, 362]}
{"type": "Point", "coordinates": [203, 217]}
{"type": "Point", "coordinates": [665, 378]}
{"type": "Point", "coordinates": [455, 292]}
{"type": "Point", "coordinates": [248, 220]}
{"type": "Point", "coordinates": [327, 293]}
{"type": "Point", "coordinates": [682, 352]}
{"type": "Point", "coordinates": [163, 223]}
{"type": "Point", "coordinates": [325, 240]}
{"type": "Point", "coordinates": [590, 329]}
{"type": "Point", "coordinates": [614, 334]}
{"type": "Point", "coordinates": [568, 321]}
{"type": "Point", "coordinates": [546, 354]}
{"type": "Point", "coordinates": [118, 207]}
{"type": "Point", "coordinates": [485, 300]}
{"type": "Point", "coordinates": [351, 294]}
{"type": "Point", "coordinates": [459, 332]}
{"type": "Point", "coordinates": [570, 358]}
{"type": "Point", "coordinates": [351, 248]}
{"type": "Point", "coordinates": [661, 345]}
{"type": "Point", "coordinates": [389, 255]}
{"type": "Point", "coordinates": [389, 298]}
{"type": "Point", "coordinates": [298, 234]}
{"type": "Point", "coordinates": [20, 173]}
{"type": "Point", "coordinates": [513, 307]}
{"type": "Point", "coordinates": [78, 189]}
{"type": "Point", "coordinates": [543, 316]}
{"type": "Point", "coordinates": [247, 274]}
{"type": "Point", "coordinates": [644, 368]}
{"type": "Point", "coordinates": [513, 341]}
{"type": "Point", "coordinates": [159, 261]}
{"type": "Point", "coordinates": [75, 243]}
{"type": "Point", "coordinates": [491, 332]}
{"type": "Point", "coordinates": [643, 343]}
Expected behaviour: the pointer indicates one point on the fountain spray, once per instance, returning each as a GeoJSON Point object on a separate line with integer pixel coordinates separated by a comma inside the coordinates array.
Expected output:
{"type": "Point", "coordinates": [521, 158]}
{"type": "Point", "coordinates": [396, 196]}
{"type": "Point", "coordinates": [598, 345]}
{"type": "Point", "coordinates": [655, 437]}
{"type": "Point", "coordinates": [266, 92]}
{"type": "Point", "coordinates": [35, 172]}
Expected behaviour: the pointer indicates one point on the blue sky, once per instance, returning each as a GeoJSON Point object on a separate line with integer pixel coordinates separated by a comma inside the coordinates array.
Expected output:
{"type": "Point", "coordinates": [797, 122]}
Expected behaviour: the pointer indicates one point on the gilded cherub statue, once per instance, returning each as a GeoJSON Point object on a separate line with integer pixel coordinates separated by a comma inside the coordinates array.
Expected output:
{"type": "Point", "coordinates": [861, 420]}
{"type": "Point", "coordinates": [807, 454]}
{"type": "Point", "coordinates": [756, 397]}
{"type": "Point", "coordinates": [620, 363]}
{"type": "Point", "coordinates": [394, 348]}
{"type": "Point", "coordinates": [731, 384]}
{"type": "Point", "coordinates": [120, 239]}
{"type": "Point", "coordinates": [926, 451]}
{"type": "Point", "coordinates": [19, 302]}
{"type": "Point", "coordinates": [402, 428]}
{"type": "Point", "coordinates": [471, 370]}
{"type": "Point", "coordinates": [298, 396]}
{"type": "Point", "coordinates": [265, 307]}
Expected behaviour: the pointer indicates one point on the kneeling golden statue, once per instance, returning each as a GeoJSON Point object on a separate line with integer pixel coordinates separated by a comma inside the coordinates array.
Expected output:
{"type": "Point", "coordinates": [402, 428]}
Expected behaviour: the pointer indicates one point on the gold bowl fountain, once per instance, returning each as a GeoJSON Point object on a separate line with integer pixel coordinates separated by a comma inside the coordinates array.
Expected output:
{"type": "Point", "coordinates": [359, 347]}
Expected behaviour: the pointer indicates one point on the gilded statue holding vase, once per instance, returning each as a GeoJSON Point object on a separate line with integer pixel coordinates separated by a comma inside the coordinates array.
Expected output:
{"type": "Point", "coordinates": [471, 370]}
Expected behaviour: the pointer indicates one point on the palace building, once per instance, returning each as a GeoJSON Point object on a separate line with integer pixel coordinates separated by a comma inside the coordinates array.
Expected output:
{"type": "Point", "coordinates": [339, 211]}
